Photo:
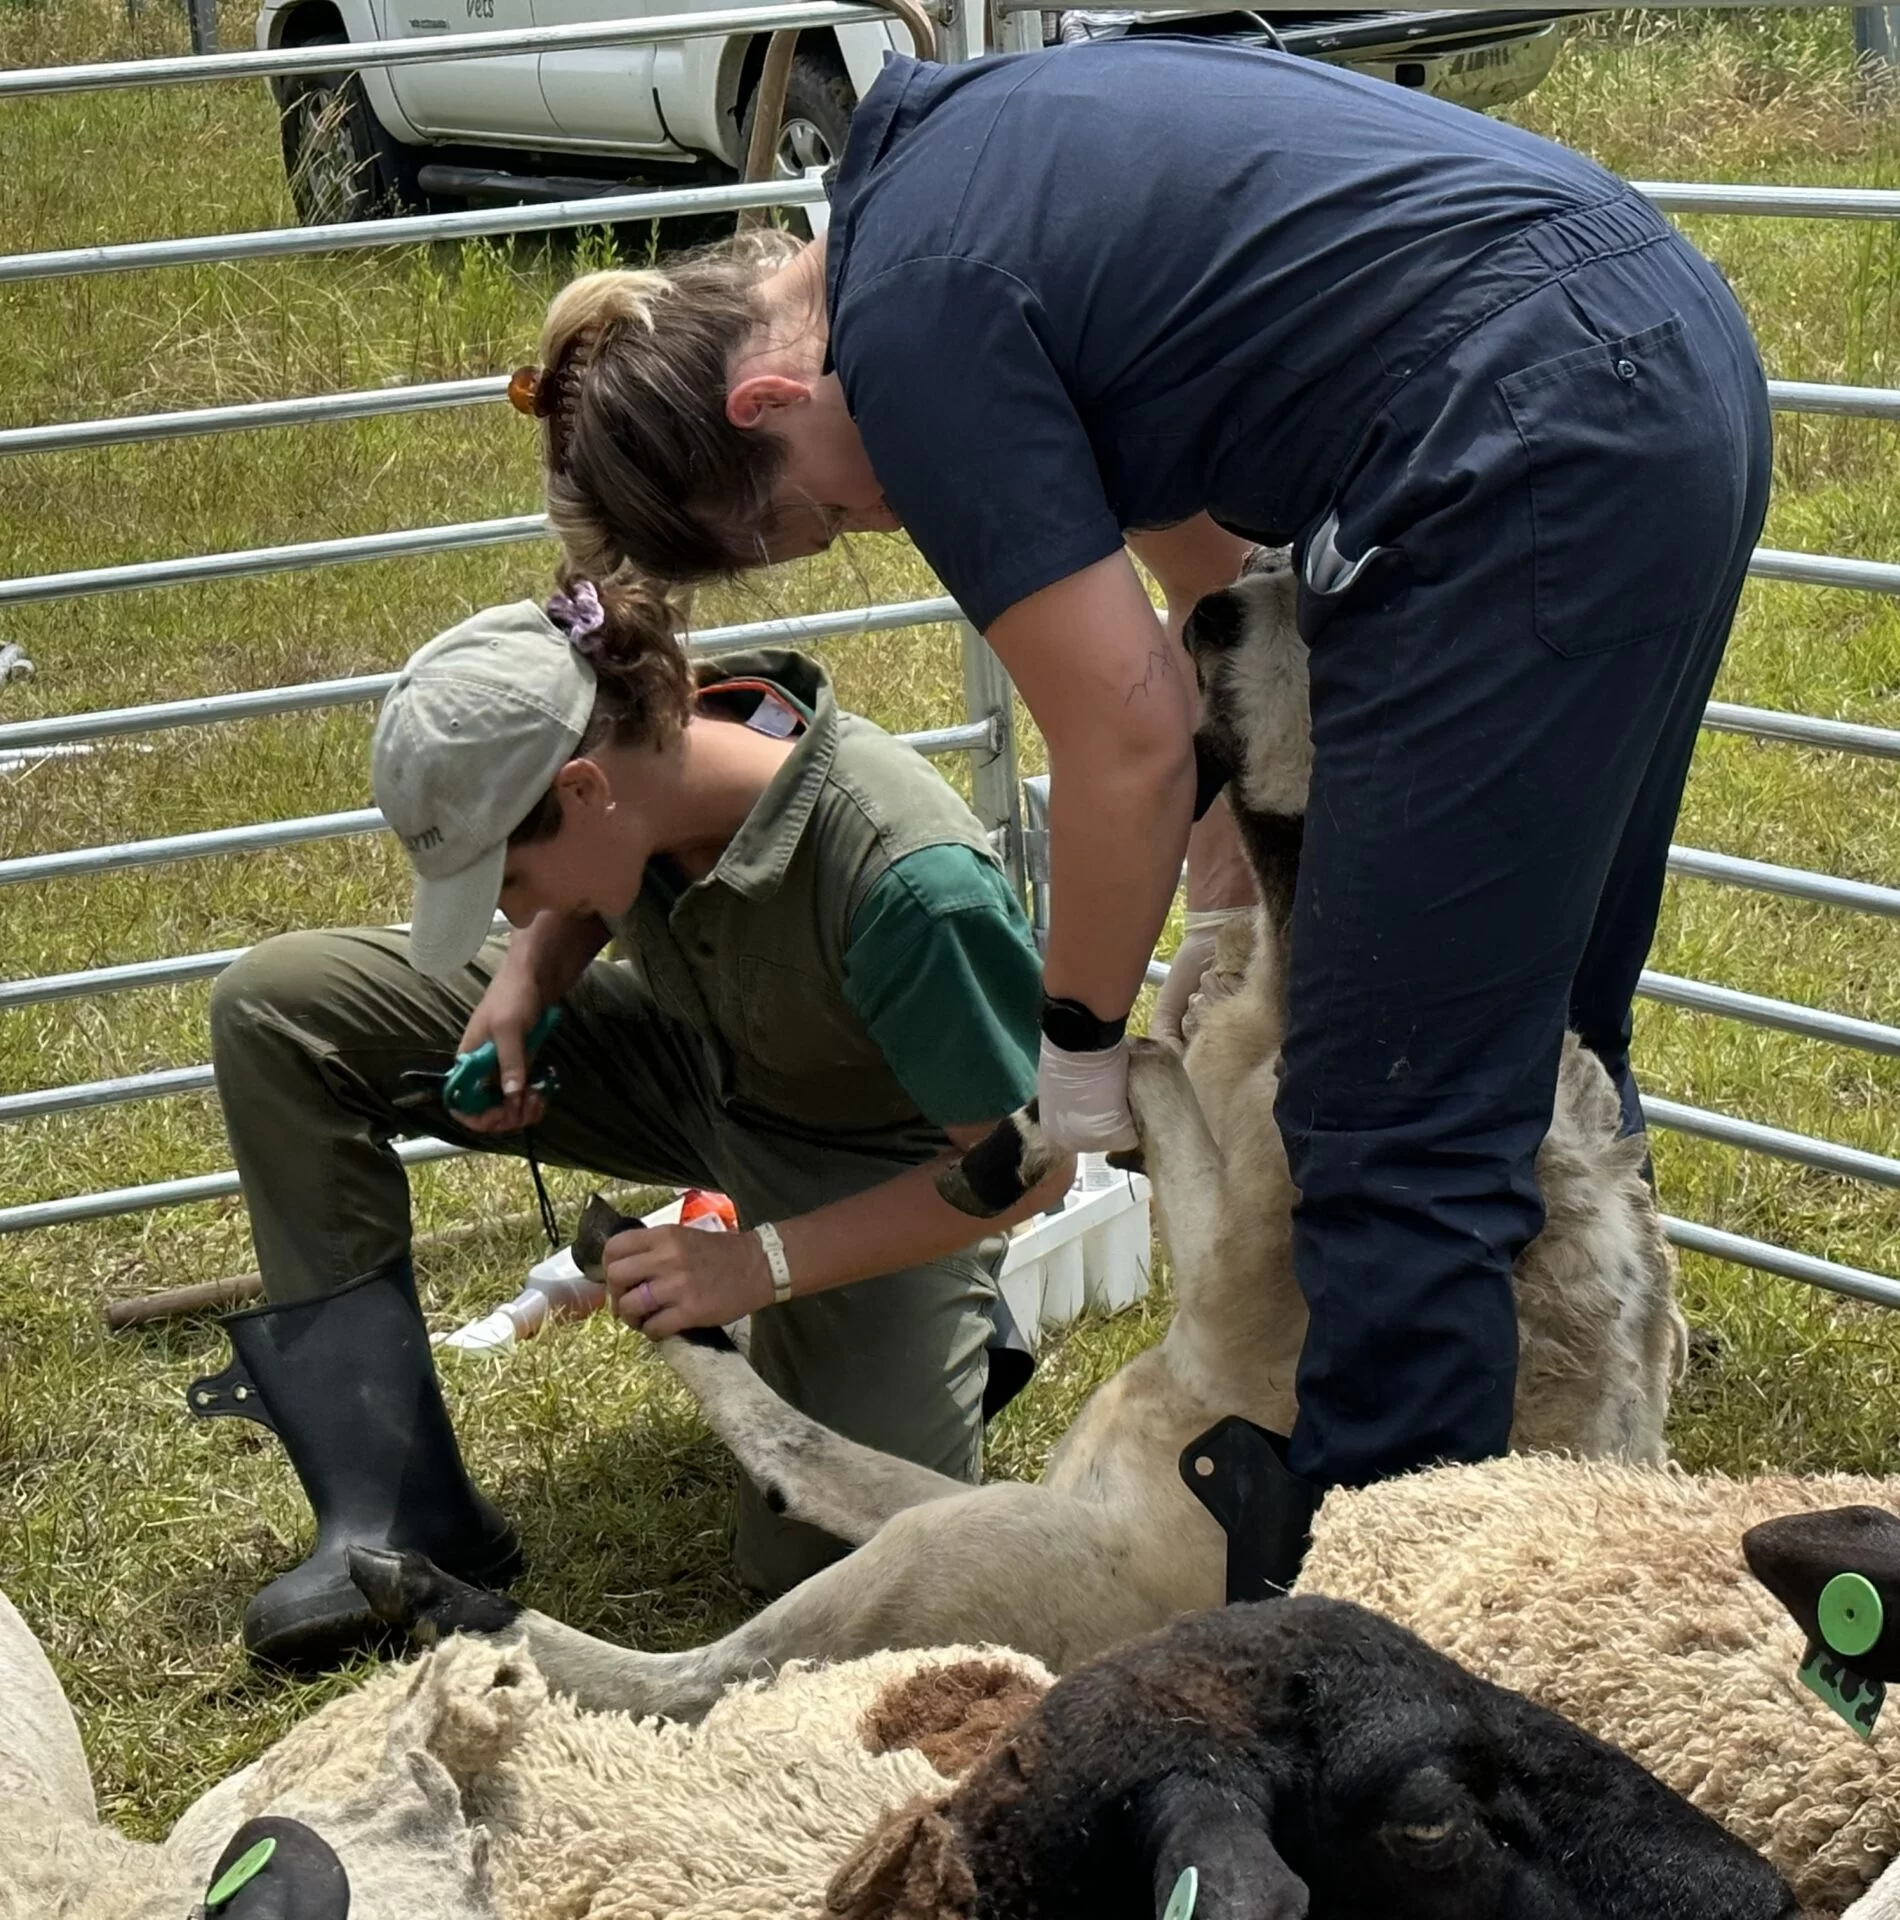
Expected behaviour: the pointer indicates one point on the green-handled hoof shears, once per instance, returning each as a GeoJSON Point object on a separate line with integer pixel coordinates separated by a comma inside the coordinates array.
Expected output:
{"type": "Point", "coordinates": [470, 1086]}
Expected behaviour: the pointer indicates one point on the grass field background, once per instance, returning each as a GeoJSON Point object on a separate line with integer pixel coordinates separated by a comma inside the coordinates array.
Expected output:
{"type": "Point", "coordinates": [131, 1536]}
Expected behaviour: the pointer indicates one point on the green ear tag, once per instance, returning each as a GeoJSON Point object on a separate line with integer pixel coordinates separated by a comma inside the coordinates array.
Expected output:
{"type": "Point", "coordinates": [242, 1871]}
{"type": "Point", "coordinates": [1850, 1614]}
{"type": "Point", "coordinates": [1181, 1901]}
{"type": "Point", "coordinates": [1852, 1695]}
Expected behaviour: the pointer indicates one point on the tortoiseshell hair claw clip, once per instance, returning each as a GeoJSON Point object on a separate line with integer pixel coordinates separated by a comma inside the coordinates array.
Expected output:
{"type": "Point", "coordinates": [528, 392]}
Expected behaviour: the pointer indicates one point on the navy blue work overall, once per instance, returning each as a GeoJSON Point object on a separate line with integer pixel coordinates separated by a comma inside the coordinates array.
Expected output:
{"type": "Point", "coordinates": [1517, 431]}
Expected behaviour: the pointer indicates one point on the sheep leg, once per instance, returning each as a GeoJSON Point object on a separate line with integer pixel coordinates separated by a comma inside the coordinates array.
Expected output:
{"type": "Point", "coordinates": [813, 1621]}
{"type": "Point", "coordinates": [803, 1469]}
{"type": "Point", "coordinates": [1004, 1565]}
{"type": "Point", "coordinates": [1183, 1161]}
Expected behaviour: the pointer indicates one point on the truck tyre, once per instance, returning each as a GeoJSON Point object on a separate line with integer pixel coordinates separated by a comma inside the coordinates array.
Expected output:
{"type": "Point", "coordinates": [340, 161]}
{"type": "Point", "coordinates": [819, 102]}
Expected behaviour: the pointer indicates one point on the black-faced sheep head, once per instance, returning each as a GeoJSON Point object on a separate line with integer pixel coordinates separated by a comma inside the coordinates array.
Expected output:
{"type": "Point", "coordinates": [1311, 1761]}
{"type": "Point", "coordinates": [1255, 734]}
{"type": "Point", "coordinates": [1251, 666]}
{"type": "Point", "coordinates": [1838, 1574]}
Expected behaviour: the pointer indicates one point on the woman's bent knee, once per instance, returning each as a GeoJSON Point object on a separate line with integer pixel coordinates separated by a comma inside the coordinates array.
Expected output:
{"type": "Point", "coordinates": [288, 975]}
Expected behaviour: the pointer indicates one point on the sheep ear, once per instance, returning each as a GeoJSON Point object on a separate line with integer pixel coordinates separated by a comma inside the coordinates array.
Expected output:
{"type": "Point", "coordinates": [1242, 1879]}
{"type": "Point", "coordinates": [1808, 1561]}
{"type": "Point", "coordinates": [1238, 1874]}
{"type": "Point", "coordinates": [911, 1868]}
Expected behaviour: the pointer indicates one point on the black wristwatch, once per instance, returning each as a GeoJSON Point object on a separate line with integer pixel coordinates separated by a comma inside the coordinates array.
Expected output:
{"type": "Point", "coordinates": [1070, 1025]}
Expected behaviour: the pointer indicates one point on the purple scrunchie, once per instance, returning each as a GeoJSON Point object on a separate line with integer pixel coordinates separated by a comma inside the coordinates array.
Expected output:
{"type": "Point", "coordinates": [578, 614]}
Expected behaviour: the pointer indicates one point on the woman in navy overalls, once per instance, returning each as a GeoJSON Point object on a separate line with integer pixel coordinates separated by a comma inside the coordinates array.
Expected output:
{"type": "Point", "coordinates": [1184, 296]}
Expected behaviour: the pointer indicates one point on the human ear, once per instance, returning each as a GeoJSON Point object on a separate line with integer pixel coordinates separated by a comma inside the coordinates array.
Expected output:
{"type": "Point", "coordinates": [584, 787]}
{"type": "Point", "coordinates": [750, 401]}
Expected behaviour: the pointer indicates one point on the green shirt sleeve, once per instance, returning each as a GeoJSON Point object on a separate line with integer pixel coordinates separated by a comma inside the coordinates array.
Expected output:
{"type": "Point", "coordinates": [942, 969]}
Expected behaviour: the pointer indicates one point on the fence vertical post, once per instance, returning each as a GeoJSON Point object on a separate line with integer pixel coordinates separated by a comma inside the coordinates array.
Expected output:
{"type": "Point", "coordinates": [203, 15]}
{"type": "Point", "coordinates": [993, 789]}
{"type": "Point", "coordinates": [1877, 51]}
{"type": "Point", "coordinates": [1036, 852]}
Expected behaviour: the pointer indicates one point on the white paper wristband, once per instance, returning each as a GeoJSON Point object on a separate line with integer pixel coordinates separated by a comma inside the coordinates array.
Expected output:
{"type": "Point", "coordinates": [775, 1259]}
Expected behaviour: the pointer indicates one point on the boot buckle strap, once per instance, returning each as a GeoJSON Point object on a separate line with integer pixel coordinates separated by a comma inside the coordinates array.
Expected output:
{"type": "Point", "coordinates": [231, 1392]}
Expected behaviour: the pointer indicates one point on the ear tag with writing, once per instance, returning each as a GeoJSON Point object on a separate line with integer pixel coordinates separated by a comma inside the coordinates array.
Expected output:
{"type": "Point", "coordinates": [1850, 1617]}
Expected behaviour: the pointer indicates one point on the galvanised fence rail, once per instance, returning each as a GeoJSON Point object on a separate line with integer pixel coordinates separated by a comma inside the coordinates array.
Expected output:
{"type": "Point", "coordinates": [1015, 814]}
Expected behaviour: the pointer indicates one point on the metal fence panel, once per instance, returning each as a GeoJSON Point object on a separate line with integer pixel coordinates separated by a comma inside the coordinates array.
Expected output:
{"type": "Point", "coordinates": [1019, 826]}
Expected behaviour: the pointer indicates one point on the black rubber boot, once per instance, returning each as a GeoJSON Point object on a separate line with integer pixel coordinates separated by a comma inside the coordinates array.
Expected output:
{"type": "Point", "coordinates": [348, 1384]}
{"type": "Point", "coordinates": [1238, 1472]}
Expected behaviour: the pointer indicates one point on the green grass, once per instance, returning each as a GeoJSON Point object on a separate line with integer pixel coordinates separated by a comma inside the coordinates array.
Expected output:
{"type": "Point", "coordinates": [131, 1536]}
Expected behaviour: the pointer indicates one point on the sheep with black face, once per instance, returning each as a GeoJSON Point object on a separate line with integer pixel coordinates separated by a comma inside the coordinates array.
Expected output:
{"type": "Point", "coordinates": [1308, 1759]}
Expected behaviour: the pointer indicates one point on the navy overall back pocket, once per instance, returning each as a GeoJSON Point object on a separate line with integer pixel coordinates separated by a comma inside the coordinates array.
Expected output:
{"type": "Point", "coordinates": [1635, 489]}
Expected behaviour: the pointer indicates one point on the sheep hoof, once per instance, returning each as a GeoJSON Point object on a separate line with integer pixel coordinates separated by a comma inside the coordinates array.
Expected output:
{"type": "Point", "coordinates": [409, 1591]}
{"type": "Point", "coordinates": [1001, 1169]}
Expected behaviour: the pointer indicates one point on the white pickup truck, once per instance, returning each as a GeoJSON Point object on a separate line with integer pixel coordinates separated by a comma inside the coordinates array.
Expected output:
{"type": "Point", "coordinates": [567, 124]}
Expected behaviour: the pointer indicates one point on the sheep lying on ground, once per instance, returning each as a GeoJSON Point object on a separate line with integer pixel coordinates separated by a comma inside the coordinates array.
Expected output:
{"type": "Point", "coordinates": [454, 1788]}
{"type": "Point", "coordinates": [1109, 1544]}
{"type": "Point", "coordinates": [1615, 1596]}
{"type": "Point", "coordinates": [396, 1825]}
{"type": "Point", "coordinates": [1619, 1598]}
{"type": "Point", "coordinates": [1303, 1751]}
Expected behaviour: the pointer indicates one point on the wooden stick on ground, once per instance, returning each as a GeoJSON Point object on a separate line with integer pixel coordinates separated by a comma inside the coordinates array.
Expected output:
{"type": "Point", "coordinates": [138, 1312]}
{"type": "Point", "coordinates": [237, 1288]}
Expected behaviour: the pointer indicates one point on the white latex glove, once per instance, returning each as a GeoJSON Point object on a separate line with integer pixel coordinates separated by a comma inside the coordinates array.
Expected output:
{"type": "Point", "coordinates": [1083, 1099]}
{"type": "Point", "coordinates": [1188, 974]}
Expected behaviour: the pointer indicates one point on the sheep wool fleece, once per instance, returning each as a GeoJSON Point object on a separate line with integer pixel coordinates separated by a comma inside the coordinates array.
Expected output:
{"type": "Point", "coordinates": [1618, 1597]}
{"type": "Point", "coordinates": [454, 1788]}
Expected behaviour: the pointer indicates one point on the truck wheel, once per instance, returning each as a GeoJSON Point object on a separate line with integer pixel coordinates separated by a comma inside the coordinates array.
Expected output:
{"type": "Point", "coordinates": [819, 103]}
{"type": "Point", "coordinates": [339, 160]}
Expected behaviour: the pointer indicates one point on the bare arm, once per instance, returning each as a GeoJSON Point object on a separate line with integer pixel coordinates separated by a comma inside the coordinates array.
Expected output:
{"type": "Point", "coordinates": [1114, 702]}
{"type": "Point", "coordinates": [696, 1279]}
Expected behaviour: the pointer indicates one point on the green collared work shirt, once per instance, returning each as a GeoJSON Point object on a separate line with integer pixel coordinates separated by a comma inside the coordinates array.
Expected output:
{"type": "Point", "coordinates": [856, 966]}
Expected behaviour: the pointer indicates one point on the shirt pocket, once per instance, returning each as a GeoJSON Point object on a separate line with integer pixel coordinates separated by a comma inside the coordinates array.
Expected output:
{"type": "Point", "coordinates": [1633, 505]}
{"type": "Point", "coordinates": [788, 1016]}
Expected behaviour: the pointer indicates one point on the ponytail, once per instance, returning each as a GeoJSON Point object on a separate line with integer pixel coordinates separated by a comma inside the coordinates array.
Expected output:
{"type": "Point", "coordinates": [628, 631]}
{"type": "Point", "coordinates": [641, 465]}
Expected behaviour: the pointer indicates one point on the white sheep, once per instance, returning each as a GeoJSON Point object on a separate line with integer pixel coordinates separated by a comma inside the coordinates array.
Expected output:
{"type": "Point", "coordinates": [397, 1826]}
{"type": "Point", "coordinates": [455, 1788]}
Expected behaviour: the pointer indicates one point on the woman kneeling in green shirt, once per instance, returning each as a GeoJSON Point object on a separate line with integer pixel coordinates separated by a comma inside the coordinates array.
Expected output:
{"type": "Point", "coordinates": [824, 984]}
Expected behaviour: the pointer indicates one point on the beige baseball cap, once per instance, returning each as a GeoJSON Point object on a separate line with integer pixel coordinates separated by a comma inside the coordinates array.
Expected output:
{"type": "Point", "coordinates": [468, 739]}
